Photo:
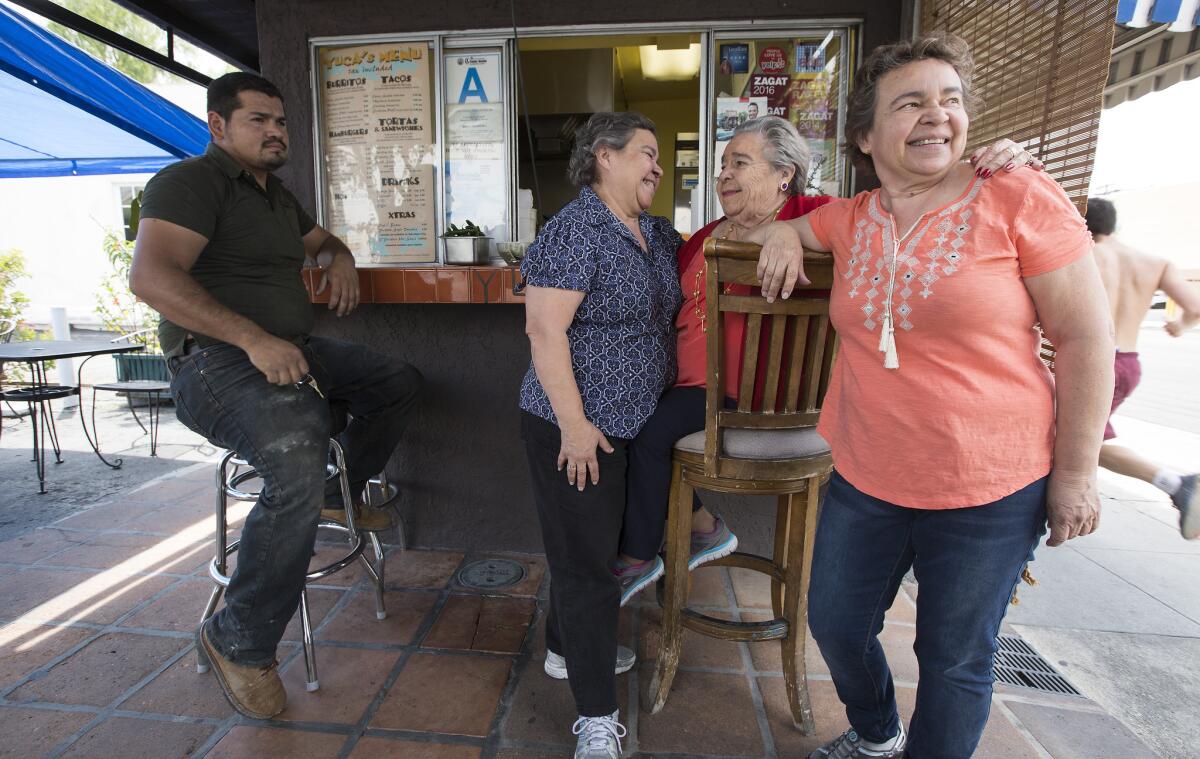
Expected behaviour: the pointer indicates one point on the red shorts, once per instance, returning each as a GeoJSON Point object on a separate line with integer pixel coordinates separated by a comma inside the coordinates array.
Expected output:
{"type": "Point", "coordinates": [1127, 373]}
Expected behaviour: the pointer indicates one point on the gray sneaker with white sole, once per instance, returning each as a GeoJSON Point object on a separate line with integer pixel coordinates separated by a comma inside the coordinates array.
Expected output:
{"type": "Point", "coordinates": [556, 665]}
{"type": "Point", "coordinates": [1187, 500]}
{"type": "Point", "coordinates": [849, 746]}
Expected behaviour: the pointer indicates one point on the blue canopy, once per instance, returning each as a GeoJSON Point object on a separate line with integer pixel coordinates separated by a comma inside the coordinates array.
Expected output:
{"type": "Point", "coordinates": [62, 112]}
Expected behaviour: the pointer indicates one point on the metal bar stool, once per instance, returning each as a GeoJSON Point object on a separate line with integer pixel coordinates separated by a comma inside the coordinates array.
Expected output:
{"type": "Point", "coordinates": [229, 483]}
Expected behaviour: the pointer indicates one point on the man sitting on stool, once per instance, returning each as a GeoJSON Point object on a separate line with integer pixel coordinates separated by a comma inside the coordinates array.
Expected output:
{"type": "Point", "coordinates": [220, 247]}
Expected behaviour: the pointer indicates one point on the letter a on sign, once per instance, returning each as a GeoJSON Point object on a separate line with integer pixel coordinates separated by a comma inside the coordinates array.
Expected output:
{"type": "Point", "coordinates": [472, 87]}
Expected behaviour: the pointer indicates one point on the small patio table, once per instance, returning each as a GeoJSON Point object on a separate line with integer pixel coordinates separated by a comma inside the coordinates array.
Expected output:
{"type": "Point", "coordinates": [39, 392]}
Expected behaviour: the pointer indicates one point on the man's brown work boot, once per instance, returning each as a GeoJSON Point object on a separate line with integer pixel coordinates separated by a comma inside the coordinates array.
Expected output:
{"type": "Point", "coordinates": [256, 692]}
{"type": "Point", "coordinates": [365, 518]}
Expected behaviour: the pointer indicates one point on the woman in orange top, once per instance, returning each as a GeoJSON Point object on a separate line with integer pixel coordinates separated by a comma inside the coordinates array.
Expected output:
{"type": "Point", "coordinates": [952, 444]}
{"type": "Point", "coordinates": [763, 170]}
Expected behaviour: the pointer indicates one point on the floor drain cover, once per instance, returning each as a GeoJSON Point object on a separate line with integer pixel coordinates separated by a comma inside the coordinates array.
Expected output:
{"type": "Point", "coordinates": [1018, 664]}
{"type": "Point", "coordinates": [490, 574]}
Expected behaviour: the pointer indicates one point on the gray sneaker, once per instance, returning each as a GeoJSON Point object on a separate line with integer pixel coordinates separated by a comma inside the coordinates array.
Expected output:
{"type": "Point", "coordinates": [599, 737]}
{"type": "Point", "coordinates": [556, 665]}
{"type": "Point", "coordinates": [849, 746]}
{"type": "Point", "coordinates": [707, 546]}
{"type": "Point", "coordinates": [1187, 500]}
{"type": "Point", "coordinates": [637, 577]}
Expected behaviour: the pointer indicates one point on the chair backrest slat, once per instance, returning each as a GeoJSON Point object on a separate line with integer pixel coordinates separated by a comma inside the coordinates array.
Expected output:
{"type": "Point", "coordinates": [756, 304]}
{"type": "Point", "coordinates": [812, 389]}
{"type": "Point", "coordinates": [795, 358]}
{"type": "Point", "coordinates": [796, 351]}
{"type": "Point", "coordinates": [749, 361]}
{"type": "Point", "coordinates": [755, 420]}
{"type": "Point", "coordinates": [779, 330]}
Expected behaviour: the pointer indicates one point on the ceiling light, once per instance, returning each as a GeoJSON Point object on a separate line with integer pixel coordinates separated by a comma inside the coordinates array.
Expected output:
{"type": "Point", "coordinates": [670, 65]}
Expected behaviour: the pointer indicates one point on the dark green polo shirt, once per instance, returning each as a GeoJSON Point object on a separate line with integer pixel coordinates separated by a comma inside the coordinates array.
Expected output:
{"type": "Point", "coordinates": [254, 255]}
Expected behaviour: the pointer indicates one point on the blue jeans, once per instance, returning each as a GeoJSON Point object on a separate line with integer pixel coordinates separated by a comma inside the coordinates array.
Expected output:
{"type": "Point", "coordinates": [967, 563]}
{"type": "Point", "coordinates": [283, 432]}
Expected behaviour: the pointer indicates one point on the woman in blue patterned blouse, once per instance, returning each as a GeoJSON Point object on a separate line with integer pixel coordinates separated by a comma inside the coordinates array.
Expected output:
{"type": "Point", "coordinates": [603, 291]}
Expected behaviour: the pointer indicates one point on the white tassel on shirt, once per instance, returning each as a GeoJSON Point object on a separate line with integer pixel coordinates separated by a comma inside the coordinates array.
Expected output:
{"type": "Point", "coordinates": [887, 343]}
{"type": "Point", "coordinates": [890, 359]}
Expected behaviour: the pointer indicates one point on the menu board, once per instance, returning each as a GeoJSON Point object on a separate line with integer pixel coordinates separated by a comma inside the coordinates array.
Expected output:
{"type": "Point", "coordinates": [377, 138]}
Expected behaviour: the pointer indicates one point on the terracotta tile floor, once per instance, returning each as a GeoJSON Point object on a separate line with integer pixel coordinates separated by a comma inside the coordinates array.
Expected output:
{"type": "Point", "coordinates": [98, 611]}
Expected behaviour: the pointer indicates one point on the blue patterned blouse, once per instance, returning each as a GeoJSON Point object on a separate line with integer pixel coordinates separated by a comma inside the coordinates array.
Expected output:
{"type": "Point", "coordinates": [623, 336]}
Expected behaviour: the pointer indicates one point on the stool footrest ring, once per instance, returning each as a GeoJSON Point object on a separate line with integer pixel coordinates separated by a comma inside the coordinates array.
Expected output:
{"type": "Point", "coordinates": [346, 560]}
{"type": "Point", "coordinates": [747, 632]}
{"type": "Point", "coordinates": [335, 566]}
{"type": "Point", "coordinates": [753, 562]}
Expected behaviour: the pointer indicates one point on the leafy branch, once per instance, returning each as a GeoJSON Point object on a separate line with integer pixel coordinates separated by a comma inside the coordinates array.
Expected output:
{"type": "Point", "coordinates": [118, 309]}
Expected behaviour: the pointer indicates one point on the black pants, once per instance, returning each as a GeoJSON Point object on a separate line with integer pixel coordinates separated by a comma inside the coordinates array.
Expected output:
{"type": "Point", "coordinates": [680, 412]}
{"type": "Point", "coordinates": [580, 533]}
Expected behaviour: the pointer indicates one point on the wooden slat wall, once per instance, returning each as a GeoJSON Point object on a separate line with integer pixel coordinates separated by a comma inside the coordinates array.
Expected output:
{"type": "Point", "coordinates": [1041, 66]}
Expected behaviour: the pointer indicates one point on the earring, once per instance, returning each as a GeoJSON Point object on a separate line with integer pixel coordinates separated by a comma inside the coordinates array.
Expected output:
{"type": "Point", "coordinates": [783, 186]}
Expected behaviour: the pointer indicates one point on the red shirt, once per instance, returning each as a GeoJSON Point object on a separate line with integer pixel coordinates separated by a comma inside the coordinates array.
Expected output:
{"type": "Point", "coordinates": [689, 325]}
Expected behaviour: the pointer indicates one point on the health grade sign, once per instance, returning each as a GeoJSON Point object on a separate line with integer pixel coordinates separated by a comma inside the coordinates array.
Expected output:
{"type": "Point", "coordinates": [472, 78]}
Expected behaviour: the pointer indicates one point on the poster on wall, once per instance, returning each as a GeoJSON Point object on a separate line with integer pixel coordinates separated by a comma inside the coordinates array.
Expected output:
{"type": "Point", "coordinates": [731, 113]}
{"type": "Point", "coordinates": [377, 134]}
{"type": "Point", "coordinates": [799, 79]}
{"type": "Point", "coordinates": [735, 58]}
{"type": "Point", "coordinates": [476, 174]}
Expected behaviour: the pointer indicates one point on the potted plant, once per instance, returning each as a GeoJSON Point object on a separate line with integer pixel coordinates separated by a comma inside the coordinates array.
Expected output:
{"type": "Point", "coordinates": [467, 245]}
{"type": "Point", "coordinates": [120, 311]}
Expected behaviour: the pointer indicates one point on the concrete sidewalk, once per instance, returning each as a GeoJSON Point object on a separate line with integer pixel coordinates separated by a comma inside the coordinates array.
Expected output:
{"type": "Point", "coordinates": [1118, 612]}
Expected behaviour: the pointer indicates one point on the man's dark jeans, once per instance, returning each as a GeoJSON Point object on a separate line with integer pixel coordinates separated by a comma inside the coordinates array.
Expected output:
{"type": "Point", "coordinates": [283, 432]}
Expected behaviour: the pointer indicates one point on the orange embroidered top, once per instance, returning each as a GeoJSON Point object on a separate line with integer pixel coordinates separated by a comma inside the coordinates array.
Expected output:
{"type": "Point", "coordinates": [967, 417]}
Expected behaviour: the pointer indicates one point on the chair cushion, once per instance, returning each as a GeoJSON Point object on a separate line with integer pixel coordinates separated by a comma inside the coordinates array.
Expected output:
{"type": "Point", "coordinates": [762, 445]}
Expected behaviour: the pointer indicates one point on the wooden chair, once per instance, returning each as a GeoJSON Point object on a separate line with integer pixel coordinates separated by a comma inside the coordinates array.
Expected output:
{"type": "Point", "coordinates": [767, 445]}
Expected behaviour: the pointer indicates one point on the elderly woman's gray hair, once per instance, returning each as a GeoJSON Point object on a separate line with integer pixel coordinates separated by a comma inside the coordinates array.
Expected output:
{"type": "Point", "coordinates": [606, 129]}
{"type": "Point", "coordinates": [860, 105]}
{"type": "Point", "coordinates": [783, 147]}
